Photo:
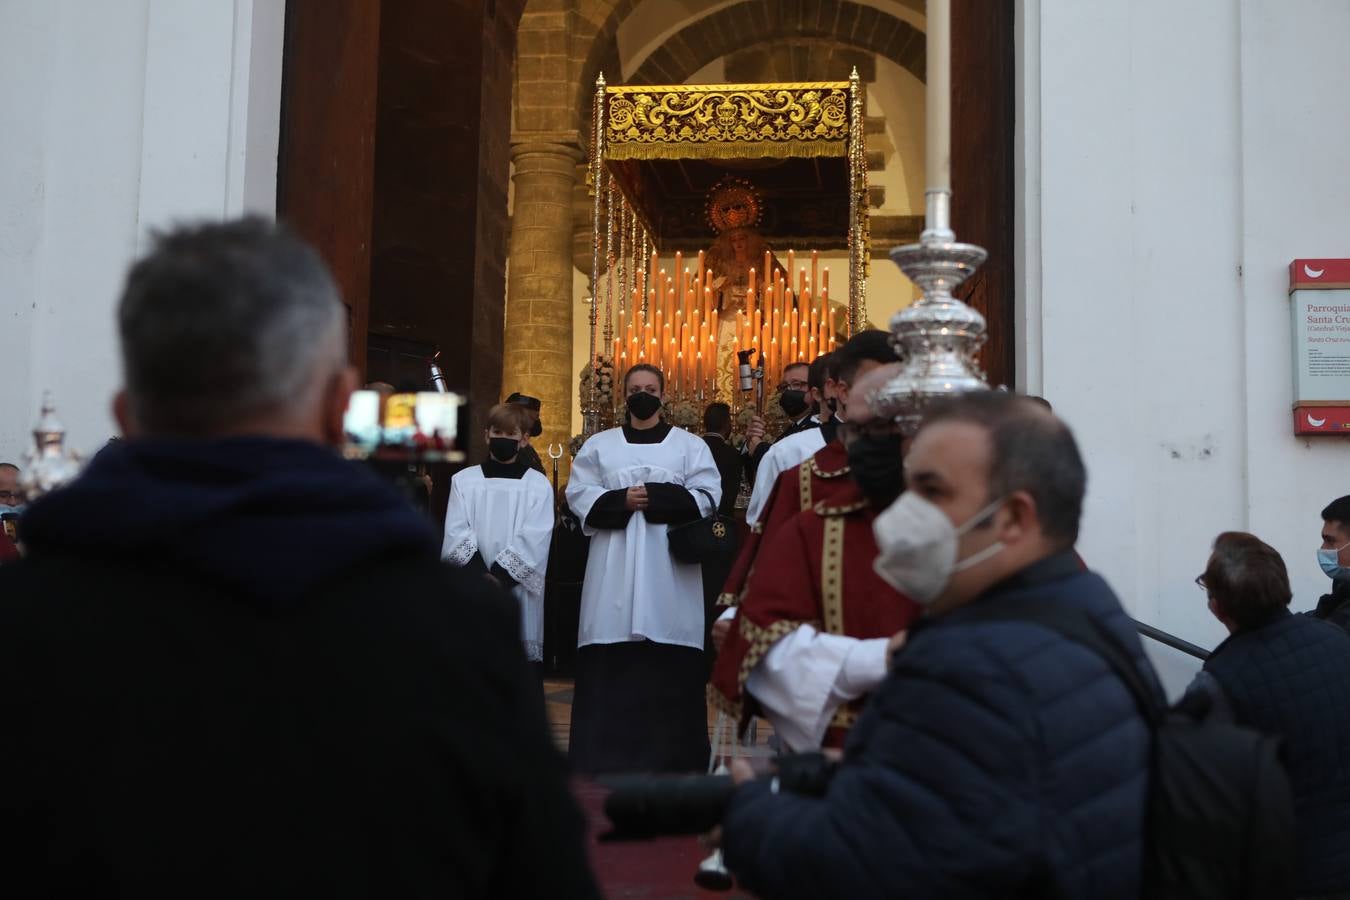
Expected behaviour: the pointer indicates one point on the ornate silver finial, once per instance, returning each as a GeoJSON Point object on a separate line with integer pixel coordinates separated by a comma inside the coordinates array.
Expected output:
{"type": "Point", "coordinates": [938, 336]}
{"type": "Point", "coordinates": [50, 464]}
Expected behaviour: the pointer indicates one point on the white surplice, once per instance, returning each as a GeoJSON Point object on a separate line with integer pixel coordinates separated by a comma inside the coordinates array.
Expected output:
{"type": "Point", "coordinates": [809, 674]}
{"type": "Point", "coordinates": [782, 455]}
{"type": "Point", "coordinates": [634, 588]}
{"type": "Point", "coordinates": [507, 521]}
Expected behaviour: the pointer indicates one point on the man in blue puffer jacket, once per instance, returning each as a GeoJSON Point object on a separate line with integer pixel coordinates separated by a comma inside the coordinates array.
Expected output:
{"type": "Point", "coordinates": [999, 758]}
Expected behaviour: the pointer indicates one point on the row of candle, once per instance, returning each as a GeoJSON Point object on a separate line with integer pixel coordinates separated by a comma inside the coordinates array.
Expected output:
{"type": "Point", "coordinates": [678, 332]}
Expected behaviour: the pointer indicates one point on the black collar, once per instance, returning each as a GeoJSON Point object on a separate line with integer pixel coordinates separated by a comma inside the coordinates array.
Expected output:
{"type": "Point", "coordinates": [1278, 616]}
{"type": "Point", "coordinates": [654, 435]}
{"type": "Point", "coordinates": [494, 469]}
{"type": "Point", "coordinates": [1051, 568]}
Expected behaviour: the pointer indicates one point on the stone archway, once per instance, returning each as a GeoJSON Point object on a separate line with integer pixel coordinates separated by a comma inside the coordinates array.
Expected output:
{"type": "Point", "coordinates": [563, 46]}
{"type": "Point", "coordinates": [722, 33]}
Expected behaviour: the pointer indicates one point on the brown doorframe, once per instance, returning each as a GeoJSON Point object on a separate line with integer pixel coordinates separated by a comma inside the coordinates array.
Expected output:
{"type": "Point", "coordinates": [982, 167]}
{"type": "Point", "coordinates": [326, 161]}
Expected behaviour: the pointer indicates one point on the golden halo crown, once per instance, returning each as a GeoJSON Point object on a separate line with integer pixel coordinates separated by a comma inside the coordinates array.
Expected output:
{"type": "Point", "coordinates": [733, 203]}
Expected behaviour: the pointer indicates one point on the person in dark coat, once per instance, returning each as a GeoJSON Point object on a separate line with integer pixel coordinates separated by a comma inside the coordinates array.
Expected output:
{"type": "Point", "coordinates": [998, 758]}
{"type": "Point", "coordinates": [231, 664]}
{"type": "Point", "coordinates": [1334, 558]}
{"type": "Point", "coordinates": [717, 435]}
{"type": "Point", "coordinates": [1285, 675]}
{"type": "Point", "coordinates": [528, 455]}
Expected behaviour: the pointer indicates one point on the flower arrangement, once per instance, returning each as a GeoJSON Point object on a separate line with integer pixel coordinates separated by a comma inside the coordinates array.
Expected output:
{"type": "Point", "coordinates": [574, 445]}
{"type": "Point", "coordinates": [685, 414]}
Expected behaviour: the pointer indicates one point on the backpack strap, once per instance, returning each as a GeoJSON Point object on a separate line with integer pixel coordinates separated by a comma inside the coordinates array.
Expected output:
{"type": "Point", "coordinates": [1080, 628]}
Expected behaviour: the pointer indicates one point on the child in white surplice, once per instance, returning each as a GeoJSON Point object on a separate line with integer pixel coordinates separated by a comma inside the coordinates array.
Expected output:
{"type": "Point", "coordinates": [500, 520]}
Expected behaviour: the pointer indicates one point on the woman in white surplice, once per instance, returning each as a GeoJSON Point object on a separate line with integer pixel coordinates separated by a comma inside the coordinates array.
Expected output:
{"type": "Point", "coordinates": [500, 521]}
{"type": "Point", "coordinates": [639, 700]}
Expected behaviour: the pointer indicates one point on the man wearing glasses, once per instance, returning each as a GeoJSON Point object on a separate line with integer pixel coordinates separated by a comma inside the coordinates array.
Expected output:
{"type": "Point", "coordinates": [11, 505]}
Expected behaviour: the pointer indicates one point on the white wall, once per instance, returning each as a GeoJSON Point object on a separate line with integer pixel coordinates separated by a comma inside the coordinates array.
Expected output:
{"type": "Point", "coordinates": [117, 117]}
{"type": "Point", "coordinates": [1172, 159]}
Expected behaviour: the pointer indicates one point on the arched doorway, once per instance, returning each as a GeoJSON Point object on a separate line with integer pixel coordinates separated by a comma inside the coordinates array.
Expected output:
{"type": "Point", "coordinates": [753, 41]}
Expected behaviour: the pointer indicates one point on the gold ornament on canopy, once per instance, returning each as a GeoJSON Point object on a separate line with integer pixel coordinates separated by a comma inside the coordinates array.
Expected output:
{"type": "Point", "coordinates": [731, 121]}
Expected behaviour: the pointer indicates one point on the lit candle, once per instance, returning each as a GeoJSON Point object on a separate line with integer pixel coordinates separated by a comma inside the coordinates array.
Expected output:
{"type": "Point", "coordinates": [681, 273]}
{"type": "Point", "coordinates": [750, 295]}
{"type": "Point", "coordinates": [815, 267]}
{"type": "Point", "coordinates": [815, 316]}
{"type": "Point", "coordinates": [701, 281]}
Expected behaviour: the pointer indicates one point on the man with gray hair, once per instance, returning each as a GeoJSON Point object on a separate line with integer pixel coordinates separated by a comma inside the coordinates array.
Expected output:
{"type": "Point", "coordinates": [233, 663]}
{"type": "Point", "coordinates": [998, 758]}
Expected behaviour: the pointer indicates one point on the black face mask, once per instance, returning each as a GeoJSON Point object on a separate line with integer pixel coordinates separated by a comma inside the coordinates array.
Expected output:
{"type": "Point", "coordinates": [502, 449]}
{"type": "Point", "coordinates": [875, 464]}
{"type": "Point", "coordinates": [643, 405]}
{"type": "Point", "coordinates": [536, 429]}
{"type": "Point", "coordinates": [833, 404]}
{"type": "Point", "coordinates": [792, 402]}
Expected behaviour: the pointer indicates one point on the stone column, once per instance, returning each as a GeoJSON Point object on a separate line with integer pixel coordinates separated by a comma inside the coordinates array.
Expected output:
{"type": "Point", "coordinates": [537, 358]}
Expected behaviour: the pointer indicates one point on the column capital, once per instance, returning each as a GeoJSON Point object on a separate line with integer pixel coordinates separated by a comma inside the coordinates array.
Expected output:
{"type": "Point", "coordinates": [557, 144]}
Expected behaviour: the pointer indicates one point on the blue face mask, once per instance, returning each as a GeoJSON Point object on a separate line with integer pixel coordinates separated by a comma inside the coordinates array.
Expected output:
{"type": "Point", "coordinates": [1329, 560]}
{"type": "Point", "coordinates": [6, 508]}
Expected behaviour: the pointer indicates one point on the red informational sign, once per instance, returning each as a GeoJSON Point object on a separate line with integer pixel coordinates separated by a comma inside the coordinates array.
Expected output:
{"type": "Point", "coordinates": [1319, 274]}
{"type": "Point", "coordinates": [1319, 307]}
{"type": "Point", "coordinates": [1322, 420]}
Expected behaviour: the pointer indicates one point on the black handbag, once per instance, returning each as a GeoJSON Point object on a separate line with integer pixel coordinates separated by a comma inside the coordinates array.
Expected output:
{"type": "Point", "coordinates": [704, 540]}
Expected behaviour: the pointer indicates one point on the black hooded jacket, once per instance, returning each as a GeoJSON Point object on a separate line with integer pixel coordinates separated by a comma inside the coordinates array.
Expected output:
{"type": "Point", "coordinates": [1335, 607]}
{"type": "Point", "coordinates": [237, 669]}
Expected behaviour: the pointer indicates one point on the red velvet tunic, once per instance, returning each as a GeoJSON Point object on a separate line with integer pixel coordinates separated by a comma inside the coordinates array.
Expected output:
{"type": "Point", "coordinates": [817, 479]}
{"type": "Point", "coordinates": [816, 569]}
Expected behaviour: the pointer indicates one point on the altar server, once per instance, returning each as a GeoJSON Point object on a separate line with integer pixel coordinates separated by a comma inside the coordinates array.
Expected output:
{"type": "Point", "coordinates": [865, 350]}
{"type": "Point", "coordinates": [639, 701]}
{"type": "Point", "coordinates": [500, 520]}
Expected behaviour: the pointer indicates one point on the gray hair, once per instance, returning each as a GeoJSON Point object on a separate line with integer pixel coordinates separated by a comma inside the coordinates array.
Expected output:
{"type": "Point", "coordinates": [1031, 450]}
{"type": "Point", "coordinates": [222, 323]}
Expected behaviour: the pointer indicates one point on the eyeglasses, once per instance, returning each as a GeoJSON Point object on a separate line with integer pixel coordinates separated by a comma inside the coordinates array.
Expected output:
{"type": "Point", "coordinates": [797, 384]}
{"type": "Point", "coordinates": [10, 495]}
{"type": "Point", "coordinates": [1200, 583]}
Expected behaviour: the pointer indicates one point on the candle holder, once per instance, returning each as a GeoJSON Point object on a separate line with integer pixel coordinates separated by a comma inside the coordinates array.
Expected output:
{"type": "Point", "coordinates": [938, 336]}
{"type": "Point", "coordinates": [49, 465]}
